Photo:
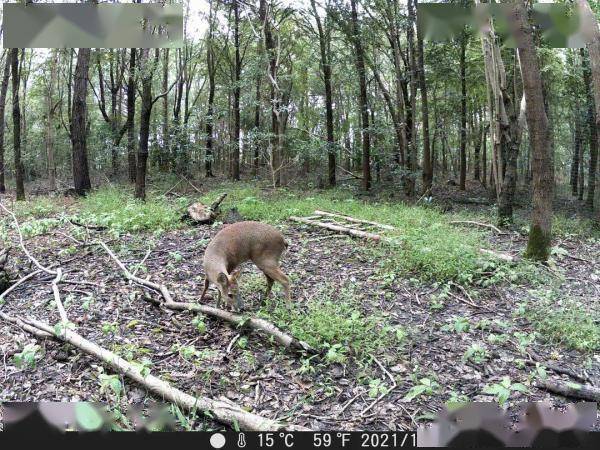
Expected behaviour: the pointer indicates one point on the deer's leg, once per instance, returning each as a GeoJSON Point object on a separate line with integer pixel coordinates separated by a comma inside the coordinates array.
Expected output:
{"type": "Point", "coordinates": [206, 283]}
{"type": "Point", "coordinates": [269, 286]}
{"type": "Point", "coordinates": [275, 273]}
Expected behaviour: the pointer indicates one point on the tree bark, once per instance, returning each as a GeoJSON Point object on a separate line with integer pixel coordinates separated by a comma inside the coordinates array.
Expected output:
{"type": "Point", "coordinates": [210, 64]}
{"type": "Point", "coordinates": [463, 112]}
{"type": "Point", "coordinates": [256, 159]}
{"type": "Point", "coordinates": [3, 92]}
{"type": "Point", "coordinates": [81, 175]}
{"type": "Point", "coordinates": [363, 98]}
{"type": "Point", "coordinates": [16, 115]}
{"type": "Point", "coordinates": [235, 148]}
{"type": "Point", "coordinates": [540, 232]}
{"type": "Point", "coordinates": [576, 152]}
{"type": "Point", "coordinates": [592, 132]}
{"type": "Point", "coordinates": [50, 121]}
{"type": "Point", "coordinates": [145, 114]}
{"type": "Point", "coordinates": [426, 161]}
{"type": "Point", "coordinates": [131, 144]}
{"type": "Point", "coordinates": [165, 151]}
{"type": "Point", "coordinates": [325, 50]}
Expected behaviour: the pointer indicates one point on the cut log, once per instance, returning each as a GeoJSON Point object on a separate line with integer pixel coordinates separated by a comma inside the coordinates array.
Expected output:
{"type": "Point", "coordinates": [223, 411]}
{"type": "Point", "coordinates": [338, 228]}
{"type": "Point", "coordinates": [352, 219]}
{"type": "Point", "coordinates": [200, 213]}
{"type": "Point", "coordinates": [573, 390]}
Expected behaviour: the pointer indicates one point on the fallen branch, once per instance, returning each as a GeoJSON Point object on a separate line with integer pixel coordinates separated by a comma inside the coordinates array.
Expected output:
{"type": "Point", "coordinates": [282, 338]}
{"type": "Point", "coordinates": [240, 321]}
{"type": "Point", "coordinates": [157, 287]}
{"type": "Point", "coordinates": [479, 224]}
{"type": "Point", "coordinates": [558, 369]}
{"type": "Point", "coordinates": [574, 390]}
{"type": "Point", "coordinates": [338, 228]}
{"type": "Point", "coordinates": [225, 412]}
{"type": "Point", "coordinates": [352, 219]}
{"type": "Point", "coordinates": [89, 227]}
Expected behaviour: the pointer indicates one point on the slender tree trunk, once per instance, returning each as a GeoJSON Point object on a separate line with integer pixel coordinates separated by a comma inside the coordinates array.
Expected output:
{"type": "Point", "coordinates": [463, 113]}
{"type": "Point", "coordinates": [576, 152]}
{"type": "Point", "coordinates": [145, 115]}
{"type": "Point", "coordinates": [540, 232]}
{"type": "Point", "coordinates": [484, 154]}
{"type": "Point", "coordinates": [50, 122]}
{"type": "Point", "coordinates": [3, 92]}
{"type": "Point", "coordinates": [255, 162]}
{"type": "Point", "coordinates": [324, 46]}
{"type": "Point", "coordinates": [235, 148]}
{"type": "Point", "coordinates": [363, 98]}
{"type": "Point", "coordinates": [427, 167]}
{"type": "Point", "coordinates": [16, 115]}
{"type": "Point", "coordinates": [411, 119]}
{"type": "Point", "coordinates": [592, 132]}
{"type": "Point", "coordinates": [165, 152]}
{"type": "Point", "coordinates": [131, 144]}
{"type": "Point", "coordinates": [81, 174]}
{"type": "Point", "coordinates": [210, 64]}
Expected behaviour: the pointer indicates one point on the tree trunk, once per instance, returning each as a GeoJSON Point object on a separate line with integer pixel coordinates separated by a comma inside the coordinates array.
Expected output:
{"type": "Point", "coordinates": [540, 233]}
{"type": "Point", "coordinates": [3, 92]}
{"type": "Point", "coordinates": [145, 114]}
{"type": "Point", "coordinates": [235, 148]}
{"type": "Point", "coordinates": [256, 160]}
{"type": "Point", "coordinates": [81, 174]}
{"type": "Point", "coordinates": [463, 113]}
{"type": "Point", "coordinates": [411, 114]}
{"type": "Point", "coordinates": [363, 99]}
{"type": "Point", "coordinates": [575, 162]}
{"type": "Point", "coordinates": [427, 167]}
{"type": "Point", "coordinates": [324, 46]}
{"type": "Point", "coordinates": [592, 132]}
{"type": "Point", "coordinates": [131, 159]}
{"type": "Point", "coordinates": [165, 151]}
{"type": "Point", "coordinates": [210, 64]}
{"type": "Point", "coordinates": [16, 115]}
{"type": "Point", "coordinates": [50, 122]}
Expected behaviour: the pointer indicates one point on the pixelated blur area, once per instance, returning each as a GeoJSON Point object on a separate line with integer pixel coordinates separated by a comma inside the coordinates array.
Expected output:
{"type": "Point", "coordinates": [57, 417]}
{"type": "Point", "coordinates": [561, 25]}
{"type": "Point", "coordinates": [93, 26]}
{"type": "Point", "coordinates": [528, 424]}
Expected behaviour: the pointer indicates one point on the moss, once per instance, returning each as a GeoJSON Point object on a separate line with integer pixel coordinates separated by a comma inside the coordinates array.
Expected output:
{"type": "Point", "coordinates": [538, 246]}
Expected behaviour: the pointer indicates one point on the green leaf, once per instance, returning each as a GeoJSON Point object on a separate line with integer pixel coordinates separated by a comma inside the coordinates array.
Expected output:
{"type": "Point", "coordinates": [87, 417]}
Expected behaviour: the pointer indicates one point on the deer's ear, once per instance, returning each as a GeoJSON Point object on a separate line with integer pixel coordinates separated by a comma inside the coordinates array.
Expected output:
{"type": "Point", "coordinates": [222, 278]}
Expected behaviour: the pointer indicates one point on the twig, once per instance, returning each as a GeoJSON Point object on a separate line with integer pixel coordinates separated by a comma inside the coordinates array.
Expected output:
{"type": "Point", "coordinates": [55, 291]}
{"type": "Point", "coordinates": [191, 184]}
{"type": "Point", "coordinates": [141, 263]}
{"type": "Point", "coordinates": [237, 336]}
{"type": "Point", "coordinates": [479, 224]}
{"type": "Point", "coordinates": [394, 385]}
{"type": "Point", "coordinates": [18, 283]}
{"type": "Point", "coordinates": [349, 402]}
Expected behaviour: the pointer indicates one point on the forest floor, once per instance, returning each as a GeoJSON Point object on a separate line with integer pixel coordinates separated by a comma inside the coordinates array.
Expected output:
{"type": "Point", "coordinates": [430, 312]}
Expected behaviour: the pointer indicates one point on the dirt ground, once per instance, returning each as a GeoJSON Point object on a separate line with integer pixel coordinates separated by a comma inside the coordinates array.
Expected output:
{"type": "Point", "coordinates": [260, 376]}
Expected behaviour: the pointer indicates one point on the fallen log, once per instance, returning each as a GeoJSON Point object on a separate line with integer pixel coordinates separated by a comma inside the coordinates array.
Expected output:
{"type": "Point", "coordinates": [503, 256]}
{"type": "Point", "coordinates": [199, 213]}
{"type": "Point", "coordinates": [338, 228]}
{"type": "Point", "coordinates": [225, 412]}
{"type": "Point", "coordinates": [287, 341]}
{"type": "Point", "coordinates": [573, 390]}
{"type": "Point", "coordinates": [352, 219]}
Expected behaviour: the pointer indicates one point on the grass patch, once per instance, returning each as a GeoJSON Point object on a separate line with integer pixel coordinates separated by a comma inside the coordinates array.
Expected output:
{"type": "Point", "coordinates": [564, 321]}
{"type": "Point", "coordinates": [424, 243]}
{"type": "Point", "coordinates": [332, 322]}
{"type": "Point", "coordinates": [36, 207]}
{"type": "Point", "coordinates": [117, 209]}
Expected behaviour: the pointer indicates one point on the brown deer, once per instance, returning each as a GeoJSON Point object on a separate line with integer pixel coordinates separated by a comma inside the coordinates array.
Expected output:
{"type": "Point", "coordinates": [235, 244]}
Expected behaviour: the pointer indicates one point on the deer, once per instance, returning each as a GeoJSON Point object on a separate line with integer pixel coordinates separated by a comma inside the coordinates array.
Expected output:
{"type": "Point", "coordinates": [234, 245]}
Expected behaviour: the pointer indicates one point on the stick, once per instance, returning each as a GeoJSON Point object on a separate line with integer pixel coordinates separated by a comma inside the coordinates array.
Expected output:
{"type": "Point", "coordinates": [574, 390]}
{"type": "Point", "coordinates": [352, 219]}
{"type": "Point", "coordinates": [157, 287]}
{"type": "Point", "coordinates": [55, 291]}
{"type": "Point", "coordinates": [339, 229]}
{"type": "Point", "coordinates": [191, 184]}
{"type": "Point", "coordinates": [225, 412]}
{"type": "Point", "coordinates": [287, 341]}
{"type": "Point", "coordinates": [173, 187]}
{"type": "Point", "coordinates": [18, 283]}
{"type": "Point", "coordinates": [394, 385]}
{"type": "Point", "coordinates": [479, 224]}
{"type": "Point", "coordinates": [22, 243]}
